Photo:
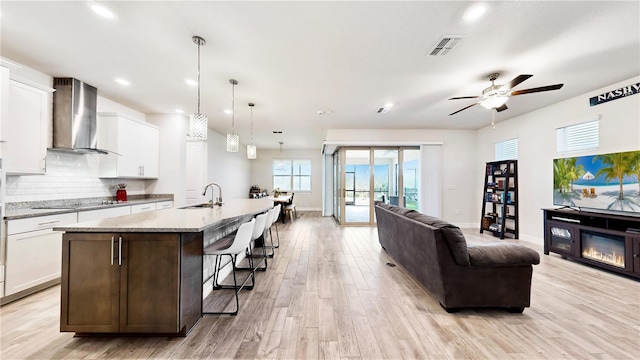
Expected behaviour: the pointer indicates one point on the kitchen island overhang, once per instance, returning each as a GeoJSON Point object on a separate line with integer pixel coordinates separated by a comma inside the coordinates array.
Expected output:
{"type": "Point", "coordinates": [142, 273]}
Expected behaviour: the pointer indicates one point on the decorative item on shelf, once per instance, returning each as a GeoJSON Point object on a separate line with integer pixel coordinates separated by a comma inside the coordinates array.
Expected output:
{"type": "Point", "coordinates": [198, 122]}
{"type": "Point", "coordinates": [121, 192]}
{"type": "Point", "coordinates": [233, 140]}
{"type": "Point", "coordinates": [500, 184]}
{"type": "Point", "coordinates": [505, 170]}
{"type": "Point", "coordinates": [251, 149]}
{"type": "Point", "coordinates": [486, 221]}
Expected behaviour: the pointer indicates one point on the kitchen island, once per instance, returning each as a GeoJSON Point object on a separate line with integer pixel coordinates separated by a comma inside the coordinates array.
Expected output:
{"type": "Point", "coordinates": [143, 273]}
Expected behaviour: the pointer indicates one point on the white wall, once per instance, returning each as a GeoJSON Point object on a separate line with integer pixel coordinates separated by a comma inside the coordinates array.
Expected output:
{"type": "Point", "coordinates": [262, 170]}
{"type": "Point", "coordinates": [458, 164]}
{"type": "Point", "coordinates": [172, 167]}
{"type": "Point", "coordinates": [619, 131]}
{"type": "Point", "coordinates": [231, 170]}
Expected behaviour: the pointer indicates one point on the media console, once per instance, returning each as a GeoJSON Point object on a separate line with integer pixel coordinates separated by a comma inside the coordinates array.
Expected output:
{"type": "Point", "coordinates": [608, 241]}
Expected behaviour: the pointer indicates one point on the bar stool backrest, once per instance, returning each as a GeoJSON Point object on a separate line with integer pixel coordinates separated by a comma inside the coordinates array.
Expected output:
{"type": "Point", "coordinates": [276, 211]}
{"type": "Point", "coordinates": [258, 228]}
{"type": "Point", "coordinates": [242, 238]}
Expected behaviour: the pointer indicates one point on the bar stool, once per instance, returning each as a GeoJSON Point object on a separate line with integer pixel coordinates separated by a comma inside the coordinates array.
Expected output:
{"type": "Point", "coordinates": [258, 231]}
{"type": "Point", "coordinates": [273, 217]}
{"type": "Point", "coordinates": [232, 247]}
{"type": "Point", "coordinates": [275, 222]}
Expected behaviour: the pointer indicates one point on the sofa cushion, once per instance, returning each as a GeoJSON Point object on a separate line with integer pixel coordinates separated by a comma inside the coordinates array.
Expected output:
{"type": "Point", "coordinates": [502, 254]}
{"type": "Point", "coordinates": [451, 233]}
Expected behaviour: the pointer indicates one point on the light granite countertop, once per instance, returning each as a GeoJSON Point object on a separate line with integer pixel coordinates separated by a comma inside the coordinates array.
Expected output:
{"type": "Point", "coordinates": [176, 220]}
{"type": "Point", "coordinates": [33, 209]}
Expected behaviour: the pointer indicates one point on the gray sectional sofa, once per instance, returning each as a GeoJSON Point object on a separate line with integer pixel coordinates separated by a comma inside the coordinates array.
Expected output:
{"type": "Point", "coordinates": [458, 275]}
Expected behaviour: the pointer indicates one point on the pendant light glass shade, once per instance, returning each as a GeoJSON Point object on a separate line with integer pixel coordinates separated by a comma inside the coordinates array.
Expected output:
{"type": "Point", "coordinates": [233, 140]}
{"type": "Point", "coordinates": [198, 123]}
{"type": "Point", "coordinates": [198, 127]}
{"type": "Point", "coordinates": [252, 152]}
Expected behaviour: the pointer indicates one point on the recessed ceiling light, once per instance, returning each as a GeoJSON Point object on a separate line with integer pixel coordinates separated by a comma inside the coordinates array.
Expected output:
{"type": "Point", "coordinates": [102, 10]}
{"type": "Point", "coordinates": [228, 112]}
{"type": "Point", "coordinates": [123, 82]}
{"type": "Point", "coordinates": [180, 111]}
{"type": "Point", "coordinates": [191, 82]}
{"type": "Point", "coordinates": [388, 105]}
{"type": "Point", "coordinates": [475, 12]}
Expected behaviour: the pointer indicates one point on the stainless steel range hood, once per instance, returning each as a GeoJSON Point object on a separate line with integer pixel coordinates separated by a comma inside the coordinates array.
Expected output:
{"type": "Point", "coordinates": [74, 116]}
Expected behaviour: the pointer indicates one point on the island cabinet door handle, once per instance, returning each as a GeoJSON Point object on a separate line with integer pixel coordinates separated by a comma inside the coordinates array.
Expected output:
{"type": "Point", "coordinates": [119, 250]}
{"type": "Point", "coordinates": [112, 239]}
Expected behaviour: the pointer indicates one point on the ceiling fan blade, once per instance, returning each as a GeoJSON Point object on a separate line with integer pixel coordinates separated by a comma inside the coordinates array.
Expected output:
{"type": "Point", "coordinates": [464, 97]}
{"type": "Point", "coordinates": [515, 82]}
{"type": "Point", "coordinates": [464, 108]}
{"type": "Point", "coordinates": [538, 89]}
{"type": "Point", "coordinates": [502, 108]}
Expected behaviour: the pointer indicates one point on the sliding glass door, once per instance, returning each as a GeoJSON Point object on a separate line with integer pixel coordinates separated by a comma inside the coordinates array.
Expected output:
{"type": "Point", "coordinates": [357, 186]}
{"type": "Point", "coordinates": [371, 174]}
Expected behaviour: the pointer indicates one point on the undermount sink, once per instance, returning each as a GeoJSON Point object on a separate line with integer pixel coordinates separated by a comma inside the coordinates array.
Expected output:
{"type": "Point", "coordinates": [198, 206]}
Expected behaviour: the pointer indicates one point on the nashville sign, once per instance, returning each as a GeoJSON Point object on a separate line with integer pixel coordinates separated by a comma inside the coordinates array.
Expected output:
{"type": "Point", "coordinates": [615, 94]}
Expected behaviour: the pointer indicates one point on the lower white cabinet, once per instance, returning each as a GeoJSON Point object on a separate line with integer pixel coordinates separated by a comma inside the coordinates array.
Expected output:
{"type": "Point", "coordinates": [164, 205]}
{"type": "Point", "coordinates": [142, 208]}
{"type": "Point", "coordinates": [34, 251]}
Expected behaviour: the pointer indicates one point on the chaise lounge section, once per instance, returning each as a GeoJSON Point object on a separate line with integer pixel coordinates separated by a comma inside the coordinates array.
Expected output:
{"type": "Point", "coordinates": [458, 275]}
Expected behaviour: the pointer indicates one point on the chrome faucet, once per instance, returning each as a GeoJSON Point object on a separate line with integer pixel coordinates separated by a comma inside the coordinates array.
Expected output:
{"type": "Point", "coordinates": [218, 200]}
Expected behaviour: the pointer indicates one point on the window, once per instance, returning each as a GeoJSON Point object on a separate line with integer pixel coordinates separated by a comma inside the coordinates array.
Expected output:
{"type": "Point", "coordinates": [578, 137]}
{"type": "Point", "coordinates": [507, 150]}
{"type": "Point", "coordinates": [292, 175]}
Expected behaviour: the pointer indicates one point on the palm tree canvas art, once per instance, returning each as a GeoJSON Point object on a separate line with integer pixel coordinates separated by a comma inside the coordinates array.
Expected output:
{"type": "Point", "coordinates": [605, 181]}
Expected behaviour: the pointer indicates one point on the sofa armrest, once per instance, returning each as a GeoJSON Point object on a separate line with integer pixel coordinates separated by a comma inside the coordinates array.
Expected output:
{"type": "Point", "coordinates": [502, 254]}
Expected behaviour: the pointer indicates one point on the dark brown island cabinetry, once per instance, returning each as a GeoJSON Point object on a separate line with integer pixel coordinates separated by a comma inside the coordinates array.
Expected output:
{"type": "Point", "coordinates": [607, 241]}
{"type": "Point", "coordinates": [131, 282]}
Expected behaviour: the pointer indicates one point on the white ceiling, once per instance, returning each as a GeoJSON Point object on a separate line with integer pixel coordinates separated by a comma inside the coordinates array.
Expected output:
{"type": "Point", "coordinates": [295, 58]}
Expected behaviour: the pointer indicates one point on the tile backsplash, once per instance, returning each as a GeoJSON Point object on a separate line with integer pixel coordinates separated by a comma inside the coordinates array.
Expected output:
{"type": "Point", "coordinates": [68, 176]}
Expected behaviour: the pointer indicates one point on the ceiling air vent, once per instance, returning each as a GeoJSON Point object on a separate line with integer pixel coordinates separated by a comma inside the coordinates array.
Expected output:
{"type": "Point", "coordinates": [445, 44]}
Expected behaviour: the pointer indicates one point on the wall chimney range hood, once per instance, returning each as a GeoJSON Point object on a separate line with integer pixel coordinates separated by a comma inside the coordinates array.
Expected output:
{"type": "Point", "coordinates": [75, 117]}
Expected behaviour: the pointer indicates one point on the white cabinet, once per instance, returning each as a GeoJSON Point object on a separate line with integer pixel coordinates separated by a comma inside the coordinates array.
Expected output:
{"type": "Point", "coordinates": [142, 208]}
{"type": "Point", "coordinates": [4, 100]}
{"type": "Point", "coordinates": [164, 205]}
{"type": "Point", "coordinates": [135, 145]}
{"type": "Point", "coordinates": [34, 251]}
{"type": "Point", "coordinates": [103, 213]}
{"type": "Point", "coordinates": [25, 129]}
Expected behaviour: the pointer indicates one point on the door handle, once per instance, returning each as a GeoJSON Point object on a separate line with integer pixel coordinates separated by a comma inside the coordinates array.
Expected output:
{"type": "Point", "coordinates": [112, 239]}
{"type": "Point", "coordinates": [119, 250]}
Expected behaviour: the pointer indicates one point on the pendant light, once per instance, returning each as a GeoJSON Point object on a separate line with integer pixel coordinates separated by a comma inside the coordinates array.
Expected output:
{"type": "Point", "coordinates": [233, 140]}
{"type": "Point", "coordinates": [198, 122]}
{"type": "Point", "coordinates": [251, 149]}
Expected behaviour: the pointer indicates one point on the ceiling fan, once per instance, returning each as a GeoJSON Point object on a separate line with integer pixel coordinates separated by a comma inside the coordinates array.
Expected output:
{"type": "Point", "coordinates": [495, 96]}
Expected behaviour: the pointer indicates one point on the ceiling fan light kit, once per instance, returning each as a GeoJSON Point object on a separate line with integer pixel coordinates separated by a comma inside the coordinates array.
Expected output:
{"type": "Point", "coordinates": [198, 123]}
{"type": "Point", "coordinates": [496, 96]}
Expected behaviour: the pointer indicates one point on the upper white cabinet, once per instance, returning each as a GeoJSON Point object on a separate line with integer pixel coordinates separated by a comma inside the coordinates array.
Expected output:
{"type": "Point", "coordinates": [4, 99]}
{"type": "Point", "coordinates": [25, 128]}
{"type": "Point", "coordinates": [135, 145]}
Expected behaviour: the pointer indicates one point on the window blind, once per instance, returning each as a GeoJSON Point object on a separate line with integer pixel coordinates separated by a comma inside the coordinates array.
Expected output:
{"type": "Point", "coordinates": [578, 137]}
{"type": "Point", "coordinates": [507, 150]}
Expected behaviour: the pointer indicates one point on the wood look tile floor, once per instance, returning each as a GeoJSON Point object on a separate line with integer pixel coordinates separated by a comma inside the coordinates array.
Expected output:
{"type": "Point", "coordinates": [329, 295]}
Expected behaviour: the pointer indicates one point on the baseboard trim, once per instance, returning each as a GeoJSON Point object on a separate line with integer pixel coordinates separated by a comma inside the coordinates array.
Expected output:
{"type": "Point", "coordinates": [24, 293]}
